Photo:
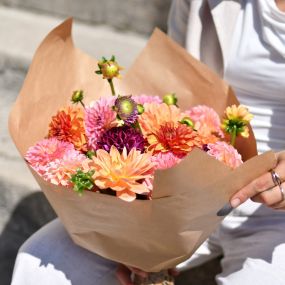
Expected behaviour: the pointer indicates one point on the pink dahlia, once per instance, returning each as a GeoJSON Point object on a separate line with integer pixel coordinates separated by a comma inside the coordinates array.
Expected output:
{"type": "Point", "coordinates": [142, 99]}
{"type": "Point", "coordinates": [225, 153]}
{"type": "Point", "coordinates": [45, 151]}
{"type": "Point", "coordinates": [99, 117]}
{"type": "Point", "coordinates": [165, 160]}
{"type": "Point", "coordinates": [59, 171]}
{"type": "Point", "coordinates": [206, 120]}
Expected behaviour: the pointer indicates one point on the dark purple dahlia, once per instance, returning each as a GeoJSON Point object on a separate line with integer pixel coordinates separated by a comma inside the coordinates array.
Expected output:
{"type": "Point", "coordinates": [205, 147]}
{"type": "Point", "coordinates": [126, 109]}
{"type": "Point", "coordinates": [121, 137]}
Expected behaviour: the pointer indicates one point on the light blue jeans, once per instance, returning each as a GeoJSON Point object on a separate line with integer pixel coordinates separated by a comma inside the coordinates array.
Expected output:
{"type": "Point", "coordinates": [252, 240]}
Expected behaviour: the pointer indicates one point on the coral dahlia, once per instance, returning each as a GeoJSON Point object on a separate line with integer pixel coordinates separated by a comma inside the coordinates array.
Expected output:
{"type": "Point", "coordinates": [122, 172]}
{"type": "Point", "coordinates": [68, 125]}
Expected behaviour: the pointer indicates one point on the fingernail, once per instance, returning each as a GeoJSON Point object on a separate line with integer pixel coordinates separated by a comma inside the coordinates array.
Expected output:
{"type": "Point", "coordinates": [235, 202]}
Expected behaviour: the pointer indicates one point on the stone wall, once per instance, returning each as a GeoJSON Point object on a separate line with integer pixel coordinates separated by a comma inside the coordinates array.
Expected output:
{"type": "Point", "coordinates": [131, 15]}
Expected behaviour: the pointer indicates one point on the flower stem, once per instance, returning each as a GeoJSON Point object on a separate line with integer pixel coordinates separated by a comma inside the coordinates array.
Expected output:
{"type": "Point", "coordinates": [83, 105]}
{"type": "Point", "coordinates": [112, 86]}
{"type": "Point", "coordinates": [233, 135]}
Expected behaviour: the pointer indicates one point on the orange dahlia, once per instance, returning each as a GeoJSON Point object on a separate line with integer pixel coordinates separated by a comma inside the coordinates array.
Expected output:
{"type": "Point", "coordinates": [68, 125]}
{"type": "Point", "coordinates": [160, 125]}
{"type": "Point", "coordinates": [123, 172]}
{"type": "Point", "coordinates": [155, 115]}
{"type": "Point", "coordinates": [176, 138]}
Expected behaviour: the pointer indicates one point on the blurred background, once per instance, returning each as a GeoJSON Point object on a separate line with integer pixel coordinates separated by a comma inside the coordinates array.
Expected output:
{"type": "Point", "coordinates": [101, 28]}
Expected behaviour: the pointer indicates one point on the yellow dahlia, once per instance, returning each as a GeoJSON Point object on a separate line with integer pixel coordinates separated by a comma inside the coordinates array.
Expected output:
{"type": "Point", "coordinates": [240, 112]}
{"type": "Point", "coordinates": [236, 120]}
{"type": "Point", "coordinates": [68, 125]}
{"type": "Point", "coordinates": [122, 172]}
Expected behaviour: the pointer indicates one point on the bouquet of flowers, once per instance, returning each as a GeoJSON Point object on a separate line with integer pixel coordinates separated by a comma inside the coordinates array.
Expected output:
{"type": "Point", "coordinates": [151, 151]}
{"type": "Point", "coordinates": [115, 144]}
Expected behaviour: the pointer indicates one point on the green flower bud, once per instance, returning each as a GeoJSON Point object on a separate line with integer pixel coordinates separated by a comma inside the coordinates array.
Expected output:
{"type": "Point", "coordinates": [77, 96]}
{"type": "Point", "coordinates": [140, 108]}
{"type": "Point", "coordinates": [109, 68]}
{"type": "Point", "coordinates": [187, 121]}
{"type": "Point", "coordinates": [170, 99]}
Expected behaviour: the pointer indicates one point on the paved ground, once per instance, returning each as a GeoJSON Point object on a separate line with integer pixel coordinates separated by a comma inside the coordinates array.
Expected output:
{"type": "Point", "coordinates": [23, 209]}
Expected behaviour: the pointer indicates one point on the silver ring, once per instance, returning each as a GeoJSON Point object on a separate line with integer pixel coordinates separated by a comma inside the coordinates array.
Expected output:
{"type": "Point", "coordinates": [282, 192]}
{"type": "Point", "coordinates": [276, 180]}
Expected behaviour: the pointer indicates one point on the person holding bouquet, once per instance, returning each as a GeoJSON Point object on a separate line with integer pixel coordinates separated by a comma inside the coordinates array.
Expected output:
{"type": "Point", "coordinates": [244, 42]}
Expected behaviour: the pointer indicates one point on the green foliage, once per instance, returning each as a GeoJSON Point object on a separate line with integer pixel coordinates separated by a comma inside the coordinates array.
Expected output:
{"type": "Point", "coordinates": [82, 181]}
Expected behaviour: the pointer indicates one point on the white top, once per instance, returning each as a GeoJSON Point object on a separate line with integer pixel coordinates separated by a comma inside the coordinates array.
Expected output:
{"type": "Point", "coordinates": [256, 69]}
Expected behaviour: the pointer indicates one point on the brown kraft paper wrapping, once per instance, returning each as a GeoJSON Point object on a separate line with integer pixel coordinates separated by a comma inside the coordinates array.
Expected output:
{"type": "Point", "coordinates": [148, 234]}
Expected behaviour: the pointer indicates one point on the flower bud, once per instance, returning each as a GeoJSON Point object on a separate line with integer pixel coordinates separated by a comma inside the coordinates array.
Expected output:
{"type": "Point", "coordinates": [140, 108]}
{"type": "Point", "coordinates": [109, 68]}
{"type": "Point", "coordinates": [170, 99]}
{"type": "Point", "coordinates": [187, 121]}
{"type": "Point", "coordinates": [77, 96]}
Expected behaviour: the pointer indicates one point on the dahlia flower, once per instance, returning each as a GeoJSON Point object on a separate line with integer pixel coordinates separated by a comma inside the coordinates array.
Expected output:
{"type": "Point", "coordinates": [165, 160]}
{"type": "Point", "coordinates": [59, 171]}
{"type": "Point", "coordinates": [235, 123]}
{"type": "Point", "coordinates": [68, 125]}
{"type": "Point", "coordinates": [143, 99]}
{"type": "Point", "coordinates": [240, 112]}
{"type": "Point", "coordinates": [122, 172]}
{"type": "Point", "coordinates": [176, 138]}
{"type": "Point", "coordinates": [126, 109]}
{"type": "Point", "coordinates": [155, 115]}
{"type": "Point", "coordinates": [99, 117]}
{"type": "Point", "coordinates": [225, 153]}
{"type": "Point", "coordinates": [206, 120]}
{"type": "Point", "coordinates": [121, 137]}
{"type": "Point", "coordinates": [45, 151]}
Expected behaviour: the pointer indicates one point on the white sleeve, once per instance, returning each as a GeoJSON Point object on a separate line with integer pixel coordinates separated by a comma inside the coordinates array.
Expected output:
{"type": "Point", "coordinates": [178, 20]}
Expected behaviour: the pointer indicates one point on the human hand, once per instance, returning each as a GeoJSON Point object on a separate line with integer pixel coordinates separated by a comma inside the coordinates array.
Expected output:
{"type": "Point", "coordinates": [124, 274]}
{"type": "Point", "coordinates": [267, 189]}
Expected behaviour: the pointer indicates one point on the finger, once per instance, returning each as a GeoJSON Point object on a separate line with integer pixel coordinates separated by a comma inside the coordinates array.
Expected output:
{"type": "Point", "coordinates": [123, 274]}
{"type": "Point", "coordinates": [279, 206]}
{"type": "Point", "coordinates": [139, 272]}
{"type": "Point", "coordinates": [280, 156]}
{"type": "Point", "coordinates": [173, 272]}
{"type": "Point", "coordinates": [262, 183]}
{"type": "Point", "coordinates": [258, 185]}
{"type": "Point", "coordinates": [270, 197]}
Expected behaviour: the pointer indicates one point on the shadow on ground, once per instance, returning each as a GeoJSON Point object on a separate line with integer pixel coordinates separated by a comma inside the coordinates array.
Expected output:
{"type": "Point", "coordinates": [33, 211]}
